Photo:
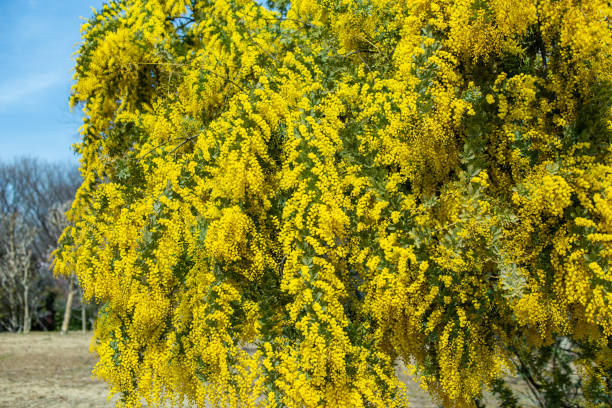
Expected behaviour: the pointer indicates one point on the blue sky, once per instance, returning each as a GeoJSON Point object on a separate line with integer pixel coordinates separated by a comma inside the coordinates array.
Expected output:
{"type": "Point", "coordinates": [37, 42]}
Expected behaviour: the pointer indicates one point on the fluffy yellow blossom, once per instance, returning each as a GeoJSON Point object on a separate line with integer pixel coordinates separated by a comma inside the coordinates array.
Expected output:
{"type": "Point", "coordinates": [278, 203]}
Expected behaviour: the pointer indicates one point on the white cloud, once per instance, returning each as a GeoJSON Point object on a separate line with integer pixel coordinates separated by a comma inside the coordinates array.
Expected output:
{"type": "Point", "coordinates": [19, 89]}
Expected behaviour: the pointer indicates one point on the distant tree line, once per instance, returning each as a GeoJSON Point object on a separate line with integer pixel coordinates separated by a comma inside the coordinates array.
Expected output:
{"type": "Point", "coordinates": [34, 197]}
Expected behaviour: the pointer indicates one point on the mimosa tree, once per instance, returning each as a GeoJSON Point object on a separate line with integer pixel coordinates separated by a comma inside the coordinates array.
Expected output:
{"type": "Point", "coordinates": [341, 184]}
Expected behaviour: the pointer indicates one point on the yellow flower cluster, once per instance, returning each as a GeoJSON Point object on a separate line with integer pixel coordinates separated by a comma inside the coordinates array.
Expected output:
{"type": "Point", "coordinates": [279, 203]}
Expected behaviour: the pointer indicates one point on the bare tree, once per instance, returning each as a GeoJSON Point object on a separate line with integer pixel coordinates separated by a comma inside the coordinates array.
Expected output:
{"type": "Point", "coordinates": [9, 280]}
{"type": "Point", "coordinates": [32, 189]}
{"type": "Point", "coordinates": [16, 268]}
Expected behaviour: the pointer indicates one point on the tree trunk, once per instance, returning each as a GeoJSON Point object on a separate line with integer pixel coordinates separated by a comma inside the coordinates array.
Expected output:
{"type": "Point", "coordinates": [27, 320]}
{"type": "Point", "coordinates": [68, 309]}
{"type": "Point", "coordinates": [83, 313]}
{"type": "Point", "coordinates": [14, 316]}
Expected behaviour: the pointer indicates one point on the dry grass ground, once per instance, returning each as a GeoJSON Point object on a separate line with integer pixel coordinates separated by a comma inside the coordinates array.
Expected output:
{"type": "Point", "coordinates": [48, 370]}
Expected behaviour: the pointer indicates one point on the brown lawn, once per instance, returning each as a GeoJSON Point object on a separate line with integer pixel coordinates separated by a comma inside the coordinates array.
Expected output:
{"type": "Point", "coordinates": [48, 370]}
